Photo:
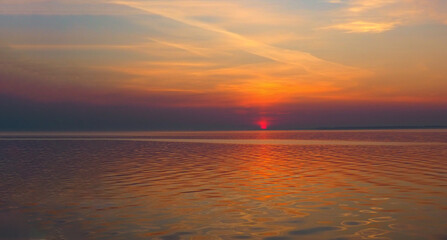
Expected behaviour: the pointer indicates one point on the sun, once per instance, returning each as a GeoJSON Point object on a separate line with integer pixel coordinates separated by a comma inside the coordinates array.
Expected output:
{"type": "Point", "coordinates": [263, 124]}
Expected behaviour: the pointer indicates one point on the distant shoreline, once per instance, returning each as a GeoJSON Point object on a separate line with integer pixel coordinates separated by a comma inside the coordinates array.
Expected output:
{"type": "Point", "coordinates": [382, 128]}
{"type": "Point", "coordinates": [2, 132]}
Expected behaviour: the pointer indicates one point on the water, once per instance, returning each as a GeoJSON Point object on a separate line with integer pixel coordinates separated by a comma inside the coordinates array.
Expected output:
{"type": "Point", "coordinates": [224, 185]}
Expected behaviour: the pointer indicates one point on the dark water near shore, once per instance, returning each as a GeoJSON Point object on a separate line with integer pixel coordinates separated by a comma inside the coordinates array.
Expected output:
{"type": "Point", "coordinates": [224, 185]}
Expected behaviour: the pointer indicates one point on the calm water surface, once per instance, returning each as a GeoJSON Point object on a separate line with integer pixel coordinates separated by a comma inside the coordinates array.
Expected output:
{"type": "Point", "coordinates": [224, 185]}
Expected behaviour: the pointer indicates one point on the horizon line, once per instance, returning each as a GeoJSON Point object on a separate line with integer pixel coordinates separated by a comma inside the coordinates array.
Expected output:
{"type": "Point", "coordinates": [365, 128]}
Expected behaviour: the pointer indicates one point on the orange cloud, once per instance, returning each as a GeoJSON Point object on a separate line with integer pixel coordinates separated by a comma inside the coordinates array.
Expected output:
{"type": "Point", "coordinates": [288, 72]}
{"type": "Point", "coordinates": [364, 27]}
{"type": "Point", "coordinates": [378, 16]}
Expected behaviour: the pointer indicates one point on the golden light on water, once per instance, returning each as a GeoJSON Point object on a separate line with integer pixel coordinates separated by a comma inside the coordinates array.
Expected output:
{"type": "Point", "coordinates": [181, 188]}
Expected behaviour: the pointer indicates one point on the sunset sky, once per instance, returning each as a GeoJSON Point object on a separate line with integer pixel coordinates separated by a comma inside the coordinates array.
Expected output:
{"type": "Point", "coordinates": [215, 64]}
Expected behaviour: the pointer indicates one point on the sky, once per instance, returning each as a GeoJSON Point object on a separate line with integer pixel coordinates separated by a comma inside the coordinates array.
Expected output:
{"type": "Point", "coordinates": [222, 65]}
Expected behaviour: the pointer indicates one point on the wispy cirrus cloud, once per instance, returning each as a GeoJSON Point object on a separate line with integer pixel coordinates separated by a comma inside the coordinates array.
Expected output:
{"type": "Point", "coordinates": [376, 16]}
{"type": "Point", "coordinates": [359, 6]}
{"type": "Point", "coordinates": [62, 8]}
{"type": "Point", "coordinates": [364, 27]}
{"type": "Point", "coordinates": [303, 60]}
{"type": "Point", "coordinates": [283, 74]}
